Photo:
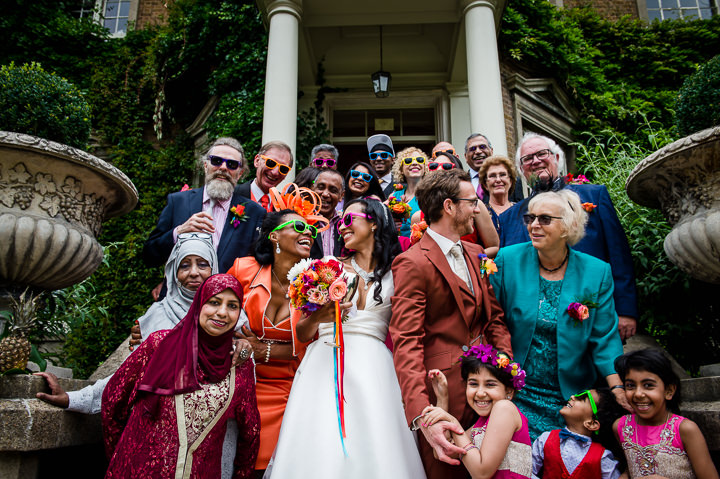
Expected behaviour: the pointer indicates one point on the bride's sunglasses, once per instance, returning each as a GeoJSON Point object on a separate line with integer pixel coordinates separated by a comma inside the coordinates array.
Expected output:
{"type": "Point", "coordinates": [347, 219]}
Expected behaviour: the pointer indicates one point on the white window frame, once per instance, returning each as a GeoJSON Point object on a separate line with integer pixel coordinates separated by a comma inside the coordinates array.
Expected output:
{"type": "Point", "coordinates": [98, 12]}
{"type": "Point", "coordinates": [691, 13]}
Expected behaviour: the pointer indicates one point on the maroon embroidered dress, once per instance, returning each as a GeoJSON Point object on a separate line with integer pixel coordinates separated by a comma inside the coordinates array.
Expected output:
{"type": "Point", "coordinates": [165, 435]}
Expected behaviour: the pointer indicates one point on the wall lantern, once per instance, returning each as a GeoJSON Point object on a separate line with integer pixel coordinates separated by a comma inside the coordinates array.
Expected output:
{"type": "Point", "coordinates": [381, 79]}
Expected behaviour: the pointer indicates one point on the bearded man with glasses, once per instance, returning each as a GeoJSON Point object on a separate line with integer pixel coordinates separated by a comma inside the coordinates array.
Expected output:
{"type": "Point", "coordinates": [210, 210]}
{"type": "Point", "coordinates": [539, 159]}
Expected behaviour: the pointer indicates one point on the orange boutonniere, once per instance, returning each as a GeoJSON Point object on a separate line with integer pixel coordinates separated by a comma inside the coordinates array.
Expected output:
{"type": "Point", "coordinates": [238, 212]}
{"type": "Point", "coordinates": [398, 187]}
{"type": "Point", "coordinates": [589, 207]}
{"type": "Point", "coordinates": [416, 231]}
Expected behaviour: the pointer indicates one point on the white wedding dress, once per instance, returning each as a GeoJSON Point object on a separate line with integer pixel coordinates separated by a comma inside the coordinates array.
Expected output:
{"type": "Point", "coordinates": [378, 441]}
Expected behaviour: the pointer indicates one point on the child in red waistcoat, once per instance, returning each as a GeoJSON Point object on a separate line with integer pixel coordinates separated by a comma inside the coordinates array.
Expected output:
{"type": "Point", "coordinates": [579, 450]}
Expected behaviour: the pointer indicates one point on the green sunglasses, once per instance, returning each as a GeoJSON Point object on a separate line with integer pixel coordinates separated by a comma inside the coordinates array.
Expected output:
{"type": "Point", "coordinates": [593, 406]}
{"type": "Point", "coordinates": [299, 226]}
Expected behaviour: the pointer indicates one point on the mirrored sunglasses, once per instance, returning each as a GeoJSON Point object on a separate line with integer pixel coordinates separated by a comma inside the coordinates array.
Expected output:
{"type": "Point", "coordinates": [299, 226]}
{"type": "Point", "coordinates": [272, 164]}
{"type": "Point", "coordinates": [384, 155]}
{"type": "Point", "coordinates": [420, 160]}
{"type": "Point", "coordinates": [434, 165]}
{"type": "Point", "coordinates": [324, 162]}
{"type": "Point", "coordinates": [544, 220]}
{"type": "Point", "coordinates": [216, 161]}
{"type": "Point", "coordinates": [366, 177]}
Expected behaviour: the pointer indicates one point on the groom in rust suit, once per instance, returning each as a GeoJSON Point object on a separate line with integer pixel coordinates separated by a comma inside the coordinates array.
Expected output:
{"type": "Point", "coordinates": [441, 303]}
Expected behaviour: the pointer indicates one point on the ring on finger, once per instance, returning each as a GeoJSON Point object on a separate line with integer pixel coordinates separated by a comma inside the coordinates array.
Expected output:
{"type": "Point", "coordinates": [245, 353]}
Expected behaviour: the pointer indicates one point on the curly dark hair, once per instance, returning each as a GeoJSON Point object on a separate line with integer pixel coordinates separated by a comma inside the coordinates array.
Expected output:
{"type": "Point", "coordinates": [386, 245]}
{"type": "Point", "coordinates": [263, 248]}
{"type": "Point", "coordinates": [373, 190]}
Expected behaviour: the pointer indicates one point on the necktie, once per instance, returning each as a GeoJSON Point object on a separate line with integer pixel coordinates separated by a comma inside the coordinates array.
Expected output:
{"type": "Point", "coordinates": [479, 190]}
{"type": "Point", "coordinates": [216, 213]}
{"type": "Point", "coordinates": [565, 434]}
{"type": "Point", "coordinates": [265, 202]}
{"type": "Point", "coordinates": [459, 267]}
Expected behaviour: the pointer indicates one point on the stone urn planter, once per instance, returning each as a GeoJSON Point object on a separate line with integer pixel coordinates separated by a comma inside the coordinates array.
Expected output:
{"type": "Point", "coordinates": [683, 180]}
{"type": "Point", "coordinates": [53, 200]}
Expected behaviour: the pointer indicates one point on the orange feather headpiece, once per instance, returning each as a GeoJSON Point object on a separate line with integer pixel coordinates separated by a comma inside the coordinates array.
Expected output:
{"type": "Point", "coordinates": [302, 201]}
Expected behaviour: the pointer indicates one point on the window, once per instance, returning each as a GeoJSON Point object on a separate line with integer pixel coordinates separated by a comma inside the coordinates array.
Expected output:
{"type": "Point", "coordinates": [112, 14]}
{"type": "Point", "coordinates": [685, 9]}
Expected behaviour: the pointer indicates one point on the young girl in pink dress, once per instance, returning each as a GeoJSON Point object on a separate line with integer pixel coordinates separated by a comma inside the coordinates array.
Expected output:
{"type": "Point", "coordinates": [657, 442]}
{"type": "Point", "coordinates": [491, 382]}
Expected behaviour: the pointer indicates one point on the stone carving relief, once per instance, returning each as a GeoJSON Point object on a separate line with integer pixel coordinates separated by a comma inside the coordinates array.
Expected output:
{"type": "Point", "coordinates": [18, 187]}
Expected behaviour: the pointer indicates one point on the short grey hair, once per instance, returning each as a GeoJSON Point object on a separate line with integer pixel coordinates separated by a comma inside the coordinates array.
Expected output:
{"type": "Point", "coordinates": [324, 147]}
{"type": "Point", "coordinates": [554, 148]}
{"type": "Point", "coordinates": [476, 135]}
{"type": "Point", "coordinates": [573, 215]}
{"type": "Point", "coordinates": [234, 144]}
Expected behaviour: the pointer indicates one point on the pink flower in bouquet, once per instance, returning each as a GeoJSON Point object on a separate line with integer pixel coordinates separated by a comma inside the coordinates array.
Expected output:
{"type": "Point", "coordinates": [317, 296]}
{"type": "Point", "coordinates": [337, 290]}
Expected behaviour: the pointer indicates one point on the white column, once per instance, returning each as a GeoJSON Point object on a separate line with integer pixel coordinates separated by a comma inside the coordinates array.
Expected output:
{"type": "Point", "coordinates": [281, 77]}
{"type": "Point", "coordinates": [483, 69]}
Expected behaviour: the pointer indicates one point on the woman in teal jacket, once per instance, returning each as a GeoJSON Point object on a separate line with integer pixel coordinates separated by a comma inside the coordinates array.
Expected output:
{"type": "Point", "coordinates": [560, 311]}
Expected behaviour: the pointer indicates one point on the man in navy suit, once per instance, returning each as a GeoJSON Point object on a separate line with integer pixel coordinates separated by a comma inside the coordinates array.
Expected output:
{"type": "Point", "coordinates": [330, 186]}
{"type": "Point", "coordinates": [538, 158]}
{"type": "Point", "coordinates": [207, 210]}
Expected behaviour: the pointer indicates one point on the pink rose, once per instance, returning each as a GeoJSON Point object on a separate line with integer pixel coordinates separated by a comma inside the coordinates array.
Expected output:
{"type": "Point", "coordinates": [583, 312]}
{"type": "Point", "coordinates": [337, 290]}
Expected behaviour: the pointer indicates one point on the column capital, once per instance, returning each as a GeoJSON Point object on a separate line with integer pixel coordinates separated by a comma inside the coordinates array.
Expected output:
{"type": "Point", "coordinates": [494, 5]}
{"type": "Point", "coordinates": [293, 7]}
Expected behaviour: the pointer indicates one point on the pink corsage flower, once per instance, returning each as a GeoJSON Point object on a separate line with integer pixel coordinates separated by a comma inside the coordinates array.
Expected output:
{"type": "Point", "coordinates": [578, 311]}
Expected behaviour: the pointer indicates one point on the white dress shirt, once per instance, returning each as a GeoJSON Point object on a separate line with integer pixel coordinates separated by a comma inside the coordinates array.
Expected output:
{"type": "Point", "coordinates": [445, 245]}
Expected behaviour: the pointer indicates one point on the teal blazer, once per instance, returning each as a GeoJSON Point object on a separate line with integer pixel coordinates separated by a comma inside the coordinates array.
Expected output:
{"type": "Point", "coordinates": [585, 350]}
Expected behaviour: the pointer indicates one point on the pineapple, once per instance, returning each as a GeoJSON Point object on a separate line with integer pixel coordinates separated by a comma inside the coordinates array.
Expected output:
{"type": "Point", "coordinates": [15, 347]}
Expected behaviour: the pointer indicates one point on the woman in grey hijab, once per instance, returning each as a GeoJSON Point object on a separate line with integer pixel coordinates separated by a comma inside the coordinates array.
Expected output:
{"type": "Point", "coordinates": [192, 260]}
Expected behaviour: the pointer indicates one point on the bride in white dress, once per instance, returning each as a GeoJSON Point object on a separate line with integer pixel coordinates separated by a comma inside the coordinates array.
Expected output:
{"type": "Point", "coordinates": [378, 441]}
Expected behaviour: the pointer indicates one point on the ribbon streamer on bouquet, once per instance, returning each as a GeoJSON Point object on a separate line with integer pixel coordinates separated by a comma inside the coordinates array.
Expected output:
{"type": "Point", "coordinates": [339, 369]}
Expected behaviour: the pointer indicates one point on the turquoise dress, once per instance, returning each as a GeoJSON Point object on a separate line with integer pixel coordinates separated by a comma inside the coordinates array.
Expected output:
{"type": "Point", "coordinates": [406, 228]}
{"type": "Point", "coordinates": [541, 399]}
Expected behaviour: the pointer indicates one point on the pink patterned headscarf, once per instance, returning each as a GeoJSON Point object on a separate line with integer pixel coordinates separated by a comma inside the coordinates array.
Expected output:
{"type": "Point", "coordinates": [173, 369]}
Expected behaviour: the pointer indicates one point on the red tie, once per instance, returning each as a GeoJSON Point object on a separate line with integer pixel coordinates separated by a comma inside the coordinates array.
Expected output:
{"type": "Point", "coordinates": [265, 202]}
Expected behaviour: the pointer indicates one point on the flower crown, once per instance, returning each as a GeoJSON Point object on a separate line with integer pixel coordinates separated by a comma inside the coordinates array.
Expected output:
{"type": "Point", "coordinates": [491, 356]}
{"type": "Point", "coordinates": [302, 201]}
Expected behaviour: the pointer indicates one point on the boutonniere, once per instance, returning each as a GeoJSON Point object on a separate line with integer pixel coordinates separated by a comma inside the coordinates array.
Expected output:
{"type": "Point", "coordinates": [576, 180]}
{"type": "Point", "coordinates": [417, 230]}
{"type": "Point", "coordinates": [487, 266]}
{"type": "Point", "coordinates": [239, 215]}
{"type": "Point", "coordinates": [589, 207]}
{"type": "Point", "coordinates": [580, 310]}
{"type": "Point", "coordinates": [398, 187]}
{"type": "Point", "coordinates": [185, 187]}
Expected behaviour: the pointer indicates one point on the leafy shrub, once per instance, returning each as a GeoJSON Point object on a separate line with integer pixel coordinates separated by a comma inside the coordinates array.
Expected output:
{"type": "Point", "coordinates": [675, 309]}
{"type": "Point", "coordinates": [43, 104]}
{"type": "Point", "coordinates": [698, 102]}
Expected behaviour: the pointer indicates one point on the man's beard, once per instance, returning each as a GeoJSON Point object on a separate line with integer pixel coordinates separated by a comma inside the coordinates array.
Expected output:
{"type": "Point", "coordinates": [220, 189]}
{"type": "Point", "coordinates": [463, 226]}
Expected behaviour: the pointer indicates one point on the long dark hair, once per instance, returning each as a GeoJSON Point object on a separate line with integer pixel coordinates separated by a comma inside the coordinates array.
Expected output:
{"type": "Point", "coordinates": [652, 361]}
{"type": "Point", "coordinates": [386, 245]}
{"type": "Point", "coordinates": [263, 248]}
{"type": "Point", "coordinates": [373, 190]}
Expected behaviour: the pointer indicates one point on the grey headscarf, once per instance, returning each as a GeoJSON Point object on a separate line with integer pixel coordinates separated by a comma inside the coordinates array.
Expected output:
{"type": "Point", "coordinates": [167, 313]}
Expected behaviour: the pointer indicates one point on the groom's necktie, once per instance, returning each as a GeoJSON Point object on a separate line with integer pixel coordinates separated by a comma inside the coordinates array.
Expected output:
{"type": "Point", "coordinates": [460, 266]}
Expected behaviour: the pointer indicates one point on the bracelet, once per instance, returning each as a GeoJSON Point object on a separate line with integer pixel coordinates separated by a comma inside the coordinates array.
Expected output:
{"type": "Point", "coordinates": [469, 446]}
{"type": "Point", "coordinates": [269, 343]}
{"type": "Point", "coordinates": [617, 386]}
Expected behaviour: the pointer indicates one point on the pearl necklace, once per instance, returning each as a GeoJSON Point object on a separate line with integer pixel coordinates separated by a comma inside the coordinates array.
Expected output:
{"type": "Point", "coordinates": [367, 277]}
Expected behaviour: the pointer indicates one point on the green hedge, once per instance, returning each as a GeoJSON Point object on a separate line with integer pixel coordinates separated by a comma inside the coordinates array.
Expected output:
{"type": "Point", "coordinates": [698, 101]}
{"type": "Point", "coordinates": [43, 104]}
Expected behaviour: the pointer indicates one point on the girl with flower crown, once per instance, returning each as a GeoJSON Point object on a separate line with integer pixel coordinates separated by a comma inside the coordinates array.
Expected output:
{"type": "Point", "coordinates": [498, 445]}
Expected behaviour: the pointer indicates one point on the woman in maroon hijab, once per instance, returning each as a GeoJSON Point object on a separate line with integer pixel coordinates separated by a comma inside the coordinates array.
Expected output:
{"type": "Point", "coordinates": [165, 410]}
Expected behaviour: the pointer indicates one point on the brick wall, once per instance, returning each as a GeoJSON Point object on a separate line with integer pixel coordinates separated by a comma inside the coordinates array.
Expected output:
{"type": "Point", "coordinates": [150, 12]}
{"type": "Point", "coordinates": [610, 9]}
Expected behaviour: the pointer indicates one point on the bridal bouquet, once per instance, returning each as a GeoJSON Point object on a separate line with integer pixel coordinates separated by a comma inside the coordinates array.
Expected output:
{"type": "Point", "coordinates": [314, 283]}
{"type": "Point", "coordinates": [399, 209]}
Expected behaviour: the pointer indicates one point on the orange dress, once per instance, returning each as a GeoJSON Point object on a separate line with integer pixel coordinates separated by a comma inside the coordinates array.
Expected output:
{"type": "Point", "coordinates": [274, 378]}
